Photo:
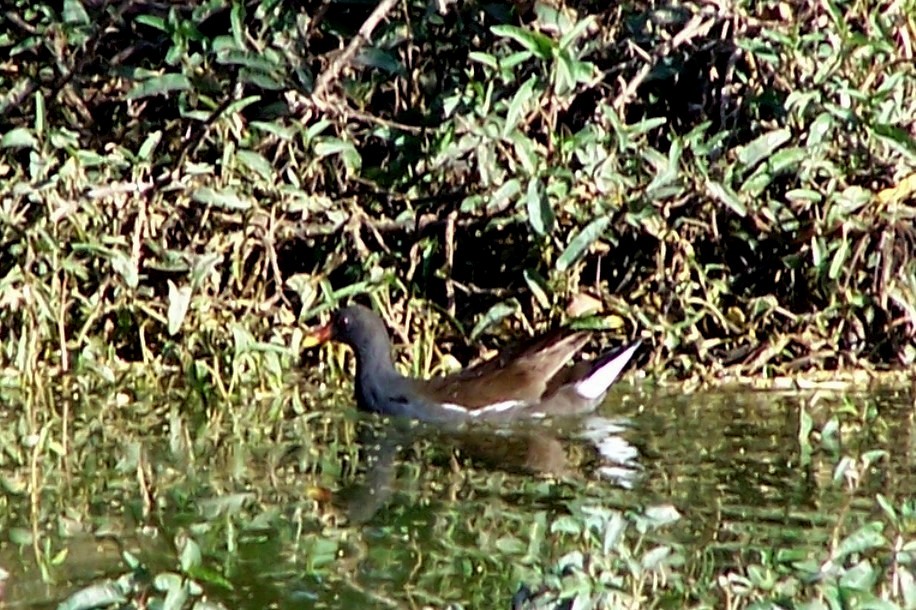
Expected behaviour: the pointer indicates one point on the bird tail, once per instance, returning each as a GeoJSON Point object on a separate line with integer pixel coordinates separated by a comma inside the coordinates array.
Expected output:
{"type": "Point", "coordinates": [604, 371]}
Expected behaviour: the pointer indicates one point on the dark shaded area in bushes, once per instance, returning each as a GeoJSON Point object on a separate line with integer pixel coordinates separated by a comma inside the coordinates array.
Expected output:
{"type": "Point", "coordinates": [727, 152]}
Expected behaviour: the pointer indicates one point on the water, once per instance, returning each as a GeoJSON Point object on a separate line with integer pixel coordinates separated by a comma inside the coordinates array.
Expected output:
{"type": "Point", "coordinates": [297, 515]}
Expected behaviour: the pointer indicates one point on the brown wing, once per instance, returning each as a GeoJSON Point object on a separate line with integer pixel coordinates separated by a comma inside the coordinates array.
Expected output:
{"type": "Point", "coordinates": [522, 375]}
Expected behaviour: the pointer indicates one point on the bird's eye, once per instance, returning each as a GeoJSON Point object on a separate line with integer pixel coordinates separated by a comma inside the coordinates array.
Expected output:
{"type": "Point", "coordinates": [344, 321]}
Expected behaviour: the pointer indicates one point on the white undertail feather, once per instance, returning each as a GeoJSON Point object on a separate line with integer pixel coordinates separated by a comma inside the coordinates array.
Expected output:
{"type": "Point", "coordinates": [597, 383]}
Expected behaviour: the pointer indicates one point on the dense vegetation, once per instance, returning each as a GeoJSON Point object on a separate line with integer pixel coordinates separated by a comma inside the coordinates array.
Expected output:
{"type": "Point", "coordinates": [734, 184]}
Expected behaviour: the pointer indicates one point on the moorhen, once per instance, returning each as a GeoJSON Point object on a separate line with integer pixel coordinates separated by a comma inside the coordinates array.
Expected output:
{"type": "Point", "coordinates": [535, 382]}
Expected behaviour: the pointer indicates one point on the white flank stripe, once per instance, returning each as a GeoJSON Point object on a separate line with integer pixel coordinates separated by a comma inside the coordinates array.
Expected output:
{"type": "Point", "coordinates": [486, 411]}
{"type": "Point", "coordinates": [498, 407]}
{"type": "Point", "coordinates": [453, 407]}
{"type": "Point", "coordinates": [595, 385]}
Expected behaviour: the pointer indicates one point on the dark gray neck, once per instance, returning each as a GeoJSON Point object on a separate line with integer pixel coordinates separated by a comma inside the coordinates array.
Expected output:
{"type": "Point", "coordinates": [375, 373]}
{"type": "Point", "coordinates": [373, 356]}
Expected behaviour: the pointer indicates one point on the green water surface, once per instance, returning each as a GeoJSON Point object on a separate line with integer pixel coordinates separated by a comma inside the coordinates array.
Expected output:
{"type": "Point", "coordinates": [266, 505]}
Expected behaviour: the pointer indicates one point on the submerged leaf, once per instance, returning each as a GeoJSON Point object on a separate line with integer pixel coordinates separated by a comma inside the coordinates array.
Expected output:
{"type": "Point", "coordinates": [101, 595]}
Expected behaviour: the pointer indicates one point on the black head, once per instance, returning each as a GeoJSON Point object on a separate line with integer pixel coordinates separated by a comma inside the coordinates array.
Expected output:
{"type": "Point", "coordinates": [359, 327]}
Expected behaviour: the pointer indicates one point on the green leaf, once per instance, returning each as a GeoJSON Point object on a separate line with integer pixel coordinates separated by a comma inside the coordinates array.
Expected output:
{"type": "Point", "coordinates": [40, 116]}
{"type": "Point", "coordinates": [564, 76]}
{"type": "Point", "coordinates": [656, 558]}
{"type": "Point", "coordinates": [244, 58]}
{"type": "Point", "coordinates": [762, 147]}
{"type": "Point", "coordinates": [203, 267]}
{"type": "Point", "coordinates": [597, 322]}
{"type": "Point", "coordinates": [153, 22]}
{"type": "Point", "coordinates": [226, 199]}
{"type": "Point", "coordinates": [283, 132]}
{"type": "Point", "coordinates": [585, 72]}
{"type": "Point", "coordinates": [535, 42]}
{"type": "Point", "coordinates": [510, 545]}
{"type": "Point", "coordinates": [18, 137]}
{"type": "Point", "coordinates": [149, 145]}
{"type": "Point", "coordinates": [167, 581]}
{"type": "Point", "coordinates": [538, 287]}
{"type": "Point", "coordinates": [862, 577]}
{"type": "Point", "coordinates": [867, 537]}
{"type": "Point", "coordinates": [176, 593]}
{"type": "Point", "coordinates": [20, 536]}
{"type": "Point", "coordinates": [526, 150]}
{"type": "Point", "coordinates": [317, 129]}
{"type": "Point", "coordinates": [159, 85]}
{"type": "Point", "coordinates": [654, 517]}
{"type": "Point", "coordinates": [907, 585]}
{"type": "Point", "coordinates": [566, 524]}
{"type": "Point", "coordinates": [126, 267]}
{"type": "Point", "coordinates": [787, 160]}
{"type": "Point", "coordinates": [726, 196]}
{"type": "Point", "coordinates": [504, 195]}
{"type": "Point", "coordinates": [520, 101]}
{"type": "Point", "coordinates": [321, 551]}
{"type": "Point", "coordinates": [484, 58]}
{"type": "Point", "coordinates": [256, 162]}
{"type": "Point", "coordinates": [614, 529]}
{"type": "Point", "coordinates": [375, 57]}
{"type": "Point", "coordinates": [493, 315]}
{"type": "Point", "coordinates": [581, 243]}
{"type": "Point", "coordinates": [179, 301]}
{"type": "Point", "coordinates": [820, 129]}
{"type": "Point", "coordinates": [237, 20]}
{"type": "Point", "coordinates": [241, 104]}
{"type": "Point", "coordinates": [190, 556]}
{"type": "Point", "coordinates": [818, 250]}
{"type": "Point", "coordinates": [335, 146]}
{"type": "Point", "coordinates": [471, 203]}
{"type": "Point", "coordinates": [644, 126]}
{"type": "Point", "coordinates": [260, 79]}
{"type": "Point", "coordinates": [553, 18]}
{"type": "Point", "coordinates": [74, 13]}
{"type": "Point", "coordinates": [507, 64]}
{"type": "Point", "coordinates": [839, 259]}
{"type": "Point", "coordinates": [101, 595]}
{"type": "Point", "coordinates": [540, 214]}
{"type": "Point", "coordinates": [580, 28]}
{"type": "Point", "coordinates": [805, 426]}
{"type": "Point", "coordinates": [897, 139]}
{"type": "Point", "coordinates": [666, 176]}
